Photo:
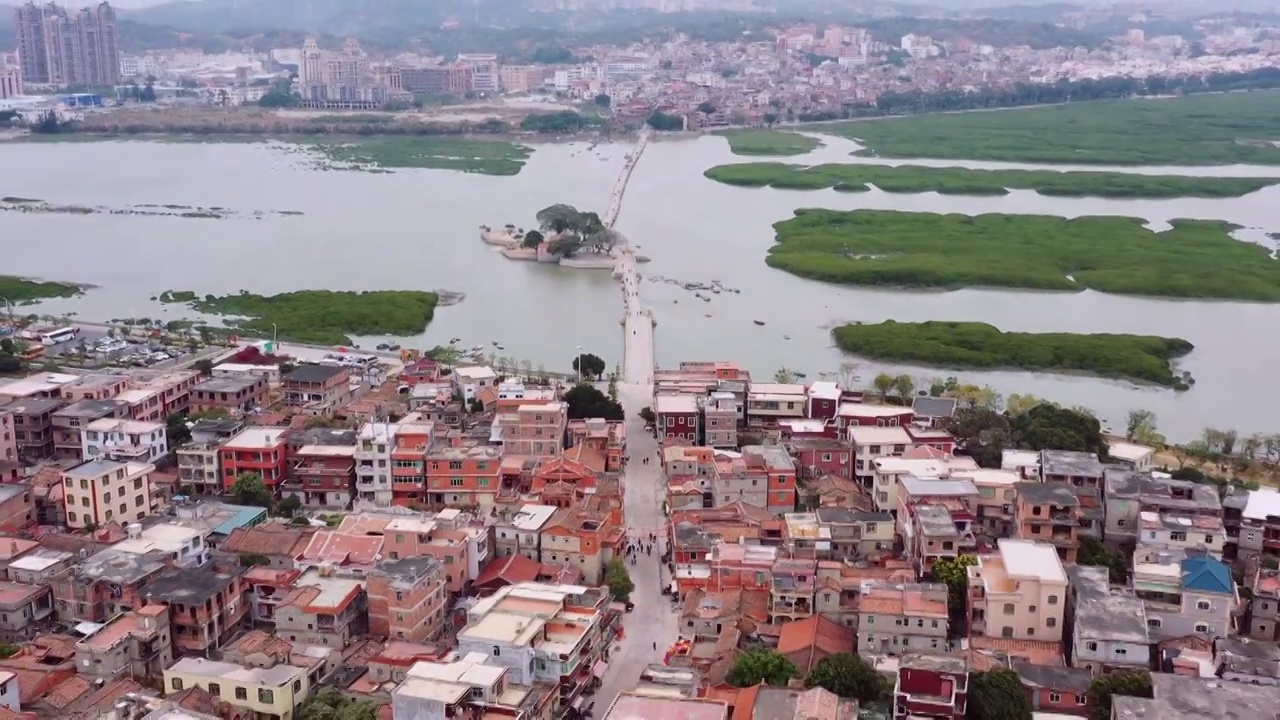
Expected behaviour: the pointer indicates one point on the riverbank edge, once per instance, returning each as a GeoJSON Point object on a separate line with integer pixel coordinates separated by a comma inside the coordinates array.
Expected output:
{"type": "Point", "coordinates": [1178, 385]}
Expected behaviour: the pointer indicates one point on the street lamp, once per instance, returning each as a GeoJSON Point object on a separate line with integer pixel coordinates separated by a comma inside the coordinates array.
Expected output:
{"type": "Point", "coordinates": [274, 333]}
{"type": "Point", "coordinates": [579, 364]}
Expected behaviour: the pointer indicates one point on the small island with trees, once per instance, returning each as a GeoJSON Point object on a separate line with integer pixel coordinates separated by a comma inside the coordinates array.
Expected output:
{"type": "Point", "coordinates": [972, 345]}
{"type": "Point", "coordinates": [565, 235]}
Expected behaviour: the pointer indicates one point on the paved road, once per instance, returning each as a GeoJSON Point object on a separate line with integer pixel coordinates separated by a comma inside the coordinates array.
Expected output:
{"type": "Point", "coordinates": [654, 619]}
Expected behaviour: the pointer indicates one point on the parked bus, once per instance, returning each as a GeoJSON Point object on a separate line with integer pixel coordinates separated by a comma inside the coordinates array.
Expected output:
{"type": "Point", "coordinates": [61, 335]}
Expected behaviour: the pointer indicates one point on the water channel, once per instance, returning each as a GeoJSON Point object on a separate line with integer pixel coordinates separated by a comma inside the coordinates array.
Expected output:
{"type": "Point", "coordinates": [418, 230]}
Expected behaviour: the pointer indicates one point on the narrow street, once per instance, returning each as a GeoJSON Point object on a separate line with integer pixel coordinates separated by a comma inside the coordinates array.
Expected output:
{"type": "Point", "coordinates": [654, 619]}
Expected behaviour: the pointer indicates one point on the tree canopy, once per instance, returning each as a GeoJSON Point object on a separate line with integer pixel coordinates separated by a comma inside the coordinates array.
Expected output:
{"type": "Point", "coordinates": [587, 402]}
{"type": "Point", "coordinates": [983, 433]}
{"type": "Point", "coordinates": [1103, 687]}
{"type": "Point", "coordinates": [753, 667]}
{"type": "Point", "coordinates": [571, 230]}
{"type": "Point", "coordinates": [997, 695]}
{"type": "Point", "coordinates": [618, 579]}
{"type": "Point", "coordinates": [849, 676]}
{"type": "Point", "coordinates": [249, 489]}
{"type": "Point", "coordinates": [589, 365]}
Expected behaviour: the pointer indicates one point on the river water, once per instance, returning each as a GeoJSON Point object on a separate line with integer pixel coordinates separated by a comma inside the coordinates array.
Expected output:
{"type": "Point", "coordinates": [419, 230]}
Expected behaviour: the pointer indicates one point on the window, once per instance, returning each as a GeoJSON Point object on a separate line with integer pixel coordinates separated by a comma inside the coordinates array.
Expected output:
{"type": "Point", "coordinates": [1051, 622]}
{"type": "Point", "coordinates": [1053, 599]}
{"type": "Point", "coordinates": [1032, 609]}
{"type": "Point", "coordinates": [455, 482]}
{"type": "Point", "coordinates": [1202, 605]}
{"type": "Point", "coordinates": [1081, 700]}
{"type": "Point", "coordinates": [1091, 646]}
{"type": "Point", "coordinates": [1202, 627]}
{"type": "Point", "coordinates": [871, 619]}
{"type": "Point", "coordinates": [241, 693]}
{"type": "Point", "coordinates": [1121, 651]}
{"type": "Point", "coordinates": [497, 651]}
{"type": "Point", "coordinates": [1006, 631]}
{"type": "Point", "coordinates": [176, 683]}
{"type": "Point", "coordinates": [215, 689]}
{"type": "Point", "coordinates": [1154, 622]}
{"type": "Point", "coordinates": [297, 686]}
{"type": "Point", "coordinates": [1208, 539]}
{"type": "Point", "coordinates": [266, 696]}
{"type": "Point", "coordinates": [1055, 697]}
{"type": "Point", "coordinates": [1008, 608]}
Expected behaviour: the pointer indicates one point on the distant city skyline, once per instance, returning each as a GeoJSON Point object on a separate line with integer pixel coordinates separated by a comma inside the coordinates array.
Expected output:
{"type": "Point", "coordinates": [60, 49]}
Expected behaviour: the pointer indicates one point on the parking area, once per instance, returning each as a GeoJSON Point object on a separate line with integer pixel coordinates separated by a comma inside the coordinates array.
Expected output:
{"type": "Point", "coordinates": [98, 348]}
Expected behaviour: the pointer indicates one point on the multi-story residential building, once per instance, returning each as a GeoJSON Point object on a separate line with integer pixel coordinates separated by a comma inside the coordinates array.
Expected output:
{"type": "Point", "coordinates": [37, 566]}
{"type": "Point", "coordinates": [25, 611]}
{"type": "Point", "coordinates": [101, 386]}
{"type": "Point", "coordinates": [69, 422]}
{"type": "Point", "coordinates": [133, 644]}
{"type": "Point", "coordinates": [124, 440]}
{"type": "Point", "coordinates": [677, 416]}
{"type": "Point", "coordinates": [460, 541]}
{"type": "Point", "coordinates": [542, 633]}
{"type": "Point", "coordinates": [199, 465]}
{"type": "Point", "coordinates": [607, 438]}
{"type": "Point", "coordinates": [259, 450]}
{"type": "Point", "coordinates": [581, 539]}
{"type": "Point", "coordinates": [105, 584]}
{"type": "Point", "coordinates": [535, 429]}
{"type": "Point", "coordinates": [1019, 592]}
{"type": "Point", "coordinates": [459, 473]}
{"type": "Point", "coordinates": [1138, 458]}
{"type": "Point", "coordinates": [854, 535]}
{"type": "Point", "coordinates": [1078, 469]}
{"type": "Point", "coordinates": [856, 414]}
{"type": "Point", "coordinates": [408, 599]}
{"type": "Point", "coordinates": [322, 475]}
{"type": "Point", "coordinates": [206, 607]}
{"type": "Point", "coordinates": [721, 418]}
{"type": "Point", "coordinates": [1171, 531]}
{"type": "Point", "coordinates": [55, 48]}
{"type": "Point", "coordinates": [106, 491]}
{"type": "Point", "coordinates": [274, 691]}
{"type": "Point", "coordinates": [1110, 631]}
{"type": "Point", "coordinates": [468, 686]}
{"type": "Point", "coordinates": [1264, 608]}
{"type": "Point", "coordinates": [792, 589]}
{"type": "Point", "coordinates": [10, 82]}
{"type": "Point", "coordinates": [931, 686]}
{"type": "Point", "coordinates": [1252, 523]}
{"type": "Point", "coordinates": [17, 508]}
{"type": "Point", "coordinates": [767, 403]}
{"type": "Point", "coordinates": [1050, 513]}
{"type": "Point", "coordinates": [322, 609]}
{"type": "Point", "coordinates": [821, 456]}
{"type": "Point", "coordinates": [471, 380]}
{"type": "Point", "coordinates": [33, 426]}
{"type": "Point", "coordinates": [181, 546]}
{"type": "Point", "coordinates": [317, 389]}
{"type": "Point", "coordinates": [8, 437]}
{"type": "Point", "coordinates": [374, 444]}
{"type": "Point", "coordinates": [1185, 593]}
{"type": "Point", "coordinates": [762, 475]}
{"type": "Point", "coordinates": [888, 473]}
{"type": "Point", "coordinates": [871, 443]}
{"type": "Point", "coordinates": [894, 618]}
{"type": "Point", "coordinates": [234, 394]}
{"type": "Point", "coordinates": [40, 386]}
{"type": "Point", "coordinates": [1130, 493]}
{"type": "Point", "coordinates": [275, 545]}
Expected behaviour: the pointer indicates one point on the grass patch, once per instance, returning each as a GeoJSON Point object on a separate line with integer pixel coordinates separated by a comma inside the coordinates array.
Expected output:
{"type": "Point", "coordinates": [486, 157]}
{"type": "Point", "coordinates": [320, 317]}
{"type": "Point", "coordinates": [1194, 259]}
{"type": "Point", "coordinates": [1209, 129]}
{"type": "Point", "coordinates": [768, 142]}
{"type": "Point", "coordinates": [970, 346]}
{"type": "Point", "coordinates": [21, 290]}
{"type": "Point", "coordinates": [963, 181]}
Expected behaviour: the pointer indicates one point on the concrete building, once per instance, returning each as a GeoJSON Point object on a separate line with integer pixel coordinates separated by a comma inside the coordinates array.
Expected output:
{"type": "Point", "coordinates": [33, 426]}
{"type": "Point", "coordinates": [408, 599]}
{"type": "Point", "coordinates": [1130, 493]}
{"type": "Point", "coordinates": [535, 429]}
{"type": "Point", "coordinates": [677, 416]}
{"type": "Point", "coordinates": [235, 394]}
{"type": "Point", "coordinates": [1185, 594]}
{"type": "Point", "coordinates": [931, 686]}
{"type": "Point", "coordinates": [10, 82]}
{"type": "Point", "coordinates": [106, 491]}
{"type": "Point", "coordinates": [902, 617]}
{"type": "Point", "coordinates": [464, 687]}
{"type": "Point", "coordinates": [322, 476]}
{"type": "Point", "coordinates": [1188, 698]}
{"type": "Point", "coordinates": [1049, 512]}
{"type": "Point", "coordinates": [58, 49]}
{"type": "Point", "coordinates": [1020, 592]}
{"type": "Point", "coordinates": [317, 389]}
{"type": "Point", "coordinates": [274, 691]}
{"type": "Point", "coordinates": [124, 440]}
{"type": "Point", "coordinates": [70, 421]}
{"type": "Point", "coordinates": [1110, 631]}
{"type": "Point", "coordinates": [484, 72]}
{"type": "Point", "coordinates": [17, 507]}
{"type": "Point", "coordinates": [133, 644]}
{"type": "Point", "coordinates": [25, 611]}
{"type": "Point", "coordinates": [322, 609]}
{"type": "Point", "coordinates": [471, 380]}
{"type": "Point", "coordinates": [200, 466]}
{"type": "Point", "coordinates": [206, 606]}
{"type": "Point", "coordinates": [259, 450]}
{"type": "Point", "coordinates": [8, 437]}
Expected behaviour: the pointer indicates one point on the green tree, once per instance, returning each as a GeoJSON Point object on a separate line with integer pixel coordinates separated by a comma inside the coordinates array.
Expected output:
{"type": "Point", "coordinates": [663, 121]}
{"type": "Point", "coordinates": [288, 506]}
{"type": "Point", "coordinates": [7, 347]}
{"type": "Point", "coordinates": [646, 414]}
{"type": "Point", "coordinates": [785, 376]}
{"type": "Point", "coordinates": [612, 392]}
{"type": "Point", "coordinates": [981, 433]}
{"type": "Point", "coordinates": [1140, 427]}
{"type": "Point", "coordinates": [967, 395]}
{"type": "Point", "coordinates": [1093, 552]}
{"type": "Point", "coordinates": [1019, 404]}
{"type": "Point", "coordinates": [589, 365]}
{"type": "Point", "coordinates": [8, 650]}
{"type": "Point", "coordinates": [204, 367]}
{"type": "Point", "coordinates": [603, 100]}
{"type": "Point", "coordinates": [1104, 687]}
{"type": "Point", "coordinates": [904, 386]}
{"type": "Point", "coordinates": [849, 676]}
{"type": "Point", "coordinates": [618, 579]}
{"type": "Point", "coordinates": [249, 489]}
{"type": "Point", "coordinates": [954, 573]}
{"type": "Point", "coordinates": [997, 695]}
{"type": "Point", "coordinates": [1051, 427]}
{"type": "Point", "coordinates": [176, 430]}
{"type": "Point", "coordinates": [883, 383]}
{"type": "Point", "coordinates": [587, 402]}
{"type": "Point", "coordinates": [532, 239]}
{"type": "Point", "coordinates": [148, 93]}
{"type": "Point", "coordinates": [753, 667]}
{"type": "Point", "coordinates": [706, 108]}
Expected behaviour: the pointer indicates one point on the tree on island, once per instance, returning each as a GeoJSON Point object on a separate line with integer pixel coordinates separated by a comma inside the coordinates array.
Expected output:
{"type": "Point", "coordinates": [532, 239]}
{"type": "Point", "coordinates": [589, 365]}
{"type": "Point", "coordinates": [574, 230]}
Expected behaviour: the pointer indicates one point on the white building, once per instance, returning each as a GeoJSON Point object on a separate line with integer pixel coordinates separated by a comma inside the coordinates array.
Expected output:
{"type": "Point", "coordinates": [185, 546]}
{"type": "Point", "coordinates": [124, 440]}
{"type": "Point", "coordinates": [373, 461]}
{"type": "Point", "coordinates": [470, 380]}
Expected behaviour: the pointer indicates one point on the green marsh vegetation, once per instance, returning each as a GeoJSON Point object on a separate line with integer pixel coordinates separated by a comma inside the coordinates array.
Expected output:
{"type": "Point", "coordinates": [848, 177]}
{"type": "Point", "coordinates": [971, 345]}
{"type": "Point", "coordinates": [1204, 129]}
{"type": "Point", "coordinates": [486, 157]}
{"type": "Point", "coordinates": [768, 142]}
{"type": "Point", "coordinates": [18, 290]}
{"type": "Point", "coordinates": [1193, 259]}
{"type": "Point", "coordinates": [321, 317]}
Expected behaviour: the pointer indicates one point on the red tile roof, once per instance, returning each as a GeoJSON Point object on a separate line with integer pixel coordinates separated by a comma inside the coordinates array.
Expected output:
{"type": "Point", "coordinates": [814, 637]}
{"type": "Point", "coordinates": [509, 570]}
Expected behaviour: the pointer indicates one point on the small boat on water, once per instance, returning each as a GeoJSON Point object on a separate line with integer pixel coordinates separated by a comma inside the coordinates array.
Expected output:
{"type": "Point", "coordinates": [758, 322]}
{"type": "Point", "coordinates": [393, 347]}
{"type": "Point", "coordinates": [786, 337]}
{"type": "Point", "coordinates": [800, 375]}
{"type": "Point", "coordinates": [383, 346]}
